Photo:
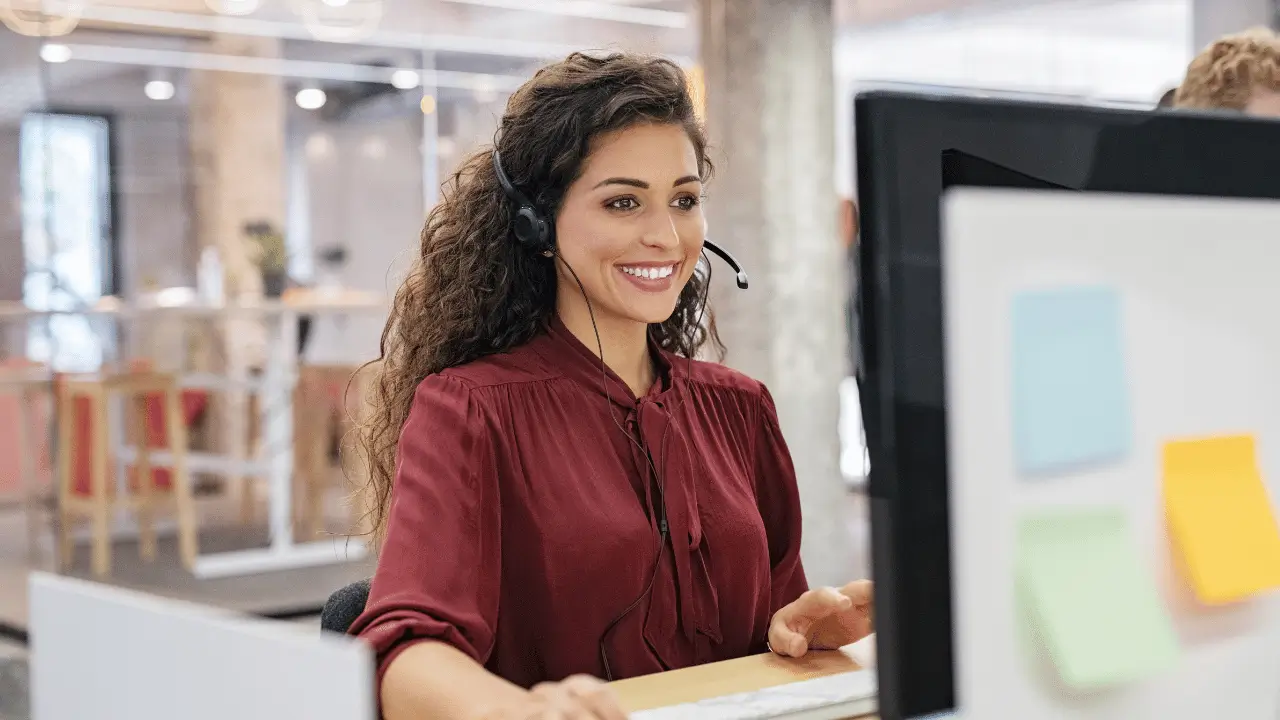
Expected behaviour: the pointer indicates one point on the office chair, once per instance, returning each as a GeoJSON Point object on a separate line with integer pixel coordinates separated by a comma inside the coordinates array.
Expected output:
{"type": "Point", "coordinates": [344, 606]}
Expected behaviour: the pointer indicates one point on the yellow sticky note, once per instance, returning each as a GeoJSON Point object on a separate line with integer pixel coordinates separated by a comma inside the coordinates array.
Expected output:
{"type": "Point", "coordinates": [1220, 518]}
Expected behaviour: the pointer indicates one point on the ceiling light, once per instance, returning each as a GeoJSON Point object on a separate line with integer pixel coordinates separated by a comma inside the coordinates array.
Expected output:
{"type": "Point", "coordinates": [339, 20]}
{"type": "Point", "coordinates": [310, 98]}
{"type": "Point", "coordinates": [34, 20]}
{"type": "Point", "coordinates": [428, 104]}
{"type": "Point", "coordinates": [405, 79]}
{"type": "Point", "coordinates": [55, 53]}
{"type": "Point", "coordinates": [159, 89]}
{"type": "Point", "coordinates": [233, 7]}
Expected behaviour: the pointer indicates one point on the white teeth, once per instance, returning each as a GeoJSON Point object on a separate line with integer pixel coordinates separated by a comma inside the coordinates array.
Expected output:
{"type": "Point", "coordinates": [650, 273]}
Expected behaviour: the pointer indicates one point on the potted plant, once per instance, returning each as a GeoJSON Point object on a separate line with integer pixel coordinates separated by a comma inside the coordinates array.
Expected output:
{"type": "Point", "coordinates": [272, 257]}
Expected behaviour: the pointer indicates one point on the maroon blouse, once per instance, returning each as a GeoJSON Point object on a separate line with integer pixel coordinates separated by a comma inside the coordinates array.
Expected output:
{"type": "Point", "coordinates": [523, 520]}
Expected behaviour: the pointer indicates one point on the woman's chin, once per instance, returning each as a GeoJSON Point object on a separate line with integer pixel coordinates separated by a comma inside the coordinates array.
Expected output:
{"type": "Point", "coordinates": [661, 314]}
{"type": "Point", "coordinates": [646, 308]}
{"type": "Point", "coordinates": [650, 317]}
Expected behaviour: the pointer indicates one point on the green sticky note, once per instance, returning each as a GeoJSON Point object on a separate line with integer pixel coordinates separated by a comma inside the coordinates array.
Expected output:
{"type": "Point", "coordinates": [1092, 601]}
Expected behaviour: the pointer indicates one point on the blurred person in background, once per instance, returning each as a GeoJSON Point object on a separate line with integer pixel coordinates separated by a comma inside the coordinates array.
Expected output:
{"type": "Point", "coordinates": [849, 233]}
{"type": "Point", "coordinates": [562, 492]}
{"type": "Point", "coordinates": [1237, 72]}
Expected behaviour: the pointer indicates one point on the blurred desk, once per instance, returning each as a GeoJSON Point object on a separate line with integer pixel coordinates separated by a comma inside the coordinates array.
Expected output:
{"type": "Point", "coordinates": [753, 672]}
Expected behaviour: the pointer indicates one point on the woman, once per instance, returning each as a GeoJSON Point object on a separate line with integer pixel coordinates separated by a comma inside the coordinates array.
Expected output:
{"type": "Point", "coordinates": [574, 496]}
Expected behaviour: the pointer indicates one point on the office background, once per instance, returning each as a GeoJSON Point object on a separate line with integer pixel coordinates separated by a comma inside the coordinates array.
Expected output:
{"type": "Point", "coordinates": [303, 141]}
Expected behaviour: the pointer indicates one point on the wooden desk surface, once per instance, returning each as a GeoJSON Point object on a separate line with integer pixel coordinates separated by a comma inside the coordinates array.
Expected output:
{"type": "Point", "coordinates": [726, 678]}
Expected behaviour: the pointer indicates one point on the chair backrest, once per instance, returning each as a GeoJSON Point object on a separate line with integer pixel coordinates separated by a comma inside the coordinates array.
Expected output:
{"type": "Point", "coordinates": [344, 606]}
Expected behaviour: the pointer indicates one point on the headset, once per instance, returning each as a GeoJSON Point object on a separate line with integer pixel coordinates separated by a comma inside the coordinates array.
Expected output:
{"type": "Point", "coordinates": [534, 231]}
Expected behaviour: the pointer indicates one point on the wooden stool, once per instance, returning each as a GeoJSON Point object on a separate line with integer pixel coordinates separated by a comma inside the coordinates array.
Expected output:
{"type": "Point", "coordinates": [327, 402]}
{"type": "Point", "coordinates": [86, 483]}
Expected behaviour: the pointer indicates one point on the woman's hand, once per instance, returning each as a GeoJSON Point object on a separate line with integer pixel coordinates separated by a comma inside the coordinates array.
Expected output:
{"type": "Point", "coordinates": [823, 619]}
{"type": "Point", "coordinates": [580, 697]}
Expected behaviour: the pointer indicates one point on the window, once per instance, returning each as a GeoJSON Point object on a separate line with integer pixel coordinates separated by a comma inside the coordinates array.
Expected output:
{"type": "Point", "coordinates": [64, 167]}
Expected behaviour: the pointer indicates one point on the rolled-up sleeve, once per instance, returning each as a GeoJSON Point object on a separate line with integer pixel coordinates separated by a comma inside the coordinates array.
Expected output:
{"type": "Point", "coordinates": [439, 568]}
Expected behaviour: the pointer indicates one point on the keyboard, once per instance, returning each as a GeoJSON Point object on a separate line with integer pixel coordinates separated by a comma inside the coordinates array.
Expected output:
{"type": "Point", "coordinates": [844, 695]}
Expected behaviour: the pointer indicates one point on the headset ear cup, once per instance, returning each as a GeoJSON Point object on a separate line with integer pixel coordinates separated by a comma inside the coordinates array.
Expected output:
{"type": "Point", "coordinates": [526, 226]}
{"type": "Point", "coordinates": [531, 229]}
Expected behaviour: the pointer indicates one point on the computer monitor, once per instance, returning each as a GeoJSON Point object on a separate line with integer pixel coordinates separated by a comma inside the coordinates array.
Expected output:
{"type": "Point", "coordinates": [910, 149]}
{"type": "Point", "coordinates": [101, 652]}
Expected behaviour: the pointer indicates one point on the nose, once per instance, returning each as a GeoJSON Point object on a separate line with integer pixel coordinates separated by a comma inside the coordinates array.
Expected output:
{"type": "Point", "coordinates": [661, 232]}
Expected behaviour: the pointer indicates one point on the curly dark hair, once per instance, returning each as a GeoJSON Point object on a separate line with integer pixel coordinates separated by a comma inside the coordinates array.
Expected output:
{"type": "Point", "coordinates": [473, 290]}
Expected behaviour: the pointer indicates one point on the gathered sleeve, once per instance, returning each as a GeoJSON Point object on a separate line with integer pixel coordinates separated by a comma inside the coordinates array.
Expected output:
{"type": "Point", "coordinates": [440, 564]}
{"type": "Point", "coordinates": [779, 500]}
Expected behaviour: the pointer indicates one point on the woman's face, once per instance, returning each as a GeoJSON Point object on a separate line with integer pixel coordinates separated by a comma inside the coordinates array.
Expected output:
{"type": "Point", "coordinates": [631, 226]}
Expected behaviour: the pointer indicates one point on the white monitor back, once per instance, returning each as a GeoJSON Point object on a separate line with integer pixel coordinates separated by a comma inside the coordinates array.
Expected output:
{"type": "Point", "coordinates": [1200, 279]}
{"type": "Point", "coordinates": [99, 652]}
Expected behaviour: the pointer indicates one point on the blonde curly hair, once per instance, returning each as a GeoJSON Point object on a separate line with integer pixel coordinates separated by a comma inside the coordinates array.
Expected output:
{"type": "Point", "coordinates": [1226, 74]}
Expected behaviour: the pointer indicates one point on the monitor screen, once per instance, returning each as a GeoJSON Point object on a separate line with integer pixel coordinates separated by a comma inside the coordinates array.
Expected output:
{"type": "Point", "coordinates": [910, 149]}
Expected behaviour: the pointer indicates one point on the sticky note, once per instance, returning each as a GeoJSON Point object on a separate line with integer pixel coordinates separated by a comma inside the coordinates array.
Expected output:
{"type": "Point", "coordinates": [1091, 599]}
{"type": "Point", "coordinates": [1070, 399]}
{"type": "Point", "coordinates": [1220, 518]}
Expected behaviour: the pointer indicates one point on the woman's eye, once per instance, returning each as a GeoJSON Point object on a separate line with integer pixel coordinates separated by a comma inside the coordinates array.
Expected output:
{"type": "Point", "coordinates": [624, 203]}
{"type": "Point", "coordinates": [686, 202]}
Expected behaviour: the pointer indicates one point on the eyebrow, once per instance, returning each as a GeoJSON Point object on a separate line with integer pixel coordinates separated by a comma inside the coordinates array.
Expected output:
{"type": "Point", "coordinates": [633, 182]}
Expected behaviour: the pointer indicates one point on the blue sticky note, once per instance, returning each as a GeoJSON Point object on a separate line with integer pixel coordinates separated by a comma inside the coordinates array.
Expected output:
{"type": "Point", "coordinates": [1070, 399]}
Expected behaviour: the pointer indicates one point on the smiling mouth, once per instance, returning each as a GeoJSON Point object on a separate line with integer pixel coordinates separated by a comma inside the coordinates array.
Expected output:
{"type": "Point", "coordinates": [652, 272]}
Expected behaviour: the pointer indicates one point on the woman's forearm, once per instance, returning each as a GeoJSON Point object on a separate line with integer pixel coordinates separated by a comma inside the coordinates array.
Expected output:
{"type": "Point", "coordinates": [433, 679]}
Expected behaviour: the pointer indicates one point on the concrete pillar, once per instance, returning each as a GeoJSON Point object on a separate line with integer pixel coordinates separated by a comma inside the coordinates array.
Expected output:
{"type": "Point", "coordinates": [238, 151]}
{"type": "Point", "coordinates": [1211, 19]}
{"type": "Point", "coordinates": [237, 139]}
{"type": "Point", "coordinates": [767, 67]}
